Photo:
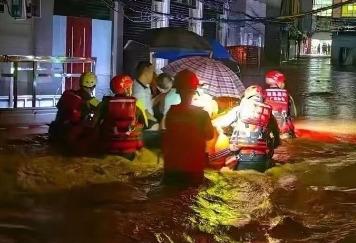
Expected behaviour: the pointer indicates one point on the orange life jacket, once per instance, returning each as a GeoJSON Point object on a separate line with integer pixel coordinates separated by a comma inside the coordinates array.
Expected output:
{"type": "Point", "coordinates": [122, 132]}
{"type": "Point", "coordinates": [70, 107]}
{"type": "Point", "coordinates": [279, 100]}
{"type": "Point", "coordinates": [248, 135]}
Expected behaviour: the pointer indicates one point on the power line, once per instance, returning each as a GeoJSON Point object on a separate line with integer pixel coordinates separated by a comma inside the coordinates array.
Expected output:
{"type": "Point", "coordinates": [333, 6]}
{"type": "Point", "coordinates": [150, 15]}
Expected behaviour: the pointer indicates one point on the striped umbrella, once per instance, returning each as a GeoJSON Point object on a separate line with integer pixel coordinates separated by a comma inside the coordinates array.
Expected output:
{"type": "Point", "coordinates": [217, 80]}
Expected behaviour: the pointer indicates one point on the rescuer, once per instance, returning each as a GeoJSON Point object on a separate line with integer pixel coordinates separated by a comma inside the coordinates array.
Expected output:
{"type": "Point", "coordinates": [253, 122]}
{"type": "Point", "coordinates": [75, 123]}
{"type": "Point", "coordinates": [188, 128]}
{"type": "Point", "coordinates": [122, 119]}
{"type": "Point", "coordinates": [283, 107]}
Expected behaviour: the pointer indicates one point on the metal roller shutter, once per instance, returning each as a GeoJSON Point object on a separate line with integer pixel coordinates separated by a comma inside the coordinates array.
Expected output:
{"type": "Point", "coordinates": [134, 30]}
{"type": "Point", "coordinates": [137, 10]}
{"type": "Point", "coordinates": [212, 10]}
{"type": "Point", "coordinates": [183, 12]}
{"type": "Point", "coordinates": [209, 28]}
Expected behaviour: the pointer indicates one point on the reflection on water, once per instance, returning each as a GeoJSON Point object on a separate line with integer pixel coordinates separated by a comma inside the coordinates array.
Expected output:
{"type": "Point", "coordinates": [310, 196]}
{"type": "Point", "coordinates": [321, 90]}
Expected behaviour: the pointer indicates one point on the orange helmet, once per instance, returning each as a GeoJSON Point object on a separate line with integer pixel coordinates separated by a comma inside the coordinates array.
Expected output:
{"type": "Point", "coordinates": [121, 84]}
{"type": "Point", "coordinates": [186, 80]}
{"type": "Point", "coordinates": [254, 90]}
{"type": "Point", "coordinates": [274, 77]}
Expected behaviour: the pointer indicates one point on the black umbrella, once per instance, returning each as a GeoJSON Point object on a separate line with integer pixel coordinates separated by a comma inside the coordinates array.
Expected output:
{"type": "Point", "coordinates": [174, 39]}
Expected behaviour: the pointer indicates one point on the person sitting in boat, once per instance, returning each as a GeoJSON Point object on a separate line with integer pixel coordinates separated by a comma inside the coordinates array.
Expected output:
{"type": "Point", "coordinates": [122, 118]}
{"type": "Point", "coordinates": [283, 107]}
{"type": "Point", "coordinates": [188, 128]}
{"type": "Point", "coordinates": [76, 116]}
{"type": "Point", "coordinates": [251, 142]}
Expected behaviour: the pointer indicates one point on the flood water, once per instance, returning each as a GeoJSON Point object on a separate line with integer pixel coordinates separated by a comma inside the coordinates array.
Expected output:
{"type": "Point", "coordinates": [310, 196]}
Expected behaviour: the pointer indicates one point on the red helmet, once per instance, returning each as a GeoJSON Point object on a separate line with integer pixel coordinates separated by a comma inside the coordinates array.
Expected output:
{"type": "Point", "coordinates": [274, 77]}
{"type": "Point", "coordinates": [186, 80]}
{"type": "Point", "coordinates": [121, 84]}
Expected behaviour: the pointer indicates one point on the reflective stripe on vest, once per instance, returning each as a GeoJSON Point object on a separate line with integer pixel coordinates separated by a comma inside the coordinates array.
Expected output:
{"type": "Point", "coordinates": [253, 119]}
{"type": "Point", "coordinates": [244, 138]}
{"type": "Point", "coordinates": [278, 99]}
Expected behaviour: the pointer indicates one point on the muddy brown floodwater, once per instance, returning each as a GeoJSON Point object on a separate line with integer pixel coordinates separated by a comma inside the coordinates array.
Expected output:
{"type": "Point", "coordinates": [310, 196]}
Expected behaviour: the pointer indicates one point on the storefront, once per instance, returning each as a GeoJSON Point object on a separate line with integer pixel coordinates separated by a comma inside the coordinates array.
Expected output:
{"type": "Point", "coordinates": [320, 44]}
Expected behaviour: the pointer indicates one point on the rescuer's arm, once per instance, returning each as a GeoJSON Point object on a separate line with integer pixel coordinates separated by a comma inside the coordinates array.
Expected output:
{"type": "Point", "coordinates": [226, 119]}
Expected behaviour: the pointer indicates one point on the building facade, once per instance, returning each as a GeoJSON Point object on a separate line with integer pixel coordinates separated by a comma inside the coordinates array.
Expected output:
{"type": "Point", "coordinates": [331, 32]}
{"type": "Point", "coordinates": [343, 51]}
{"type": "Point", "coordinates": [246, 32]}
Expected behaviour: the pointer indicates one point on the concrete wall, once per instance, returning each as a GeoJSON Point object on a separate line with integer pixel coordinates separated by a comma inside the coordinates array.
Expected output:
{"type": "Point", "coordinates": [42, 32]}
{"type": "Point", "coordinates": [101, 49]}
{"type": "Point", "coordinates": [272, 36]}
{"type": "Point", "coordinates": [16, 36]}
{"type": "Point", "coordinates": [27, 37]}
{"type": "Point", "coordinates": [343, 41]}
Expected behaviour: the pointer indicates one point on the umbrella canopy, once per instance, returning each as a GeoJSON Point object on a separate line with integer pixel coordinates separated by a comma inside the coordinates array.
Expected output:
{"type": "Point", "coordinates": [174, 39]}
{"type": "Point", "coordinates": [218, 50]}
{"type": "Point", "coordinates": [217, 79]}
{"type": "Point", "coordinates": [173, 55]}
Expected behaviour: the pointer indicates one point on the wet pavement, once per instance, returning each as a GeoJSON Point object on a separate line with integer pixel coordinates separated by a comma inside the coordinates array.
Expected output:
{"type": "Point", "coordinates": [310, 196]}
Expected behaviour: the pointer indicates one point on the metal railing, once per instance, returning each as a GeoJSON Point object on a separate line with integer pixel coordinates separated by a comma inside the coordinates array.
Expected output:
{"type": "Point", "coordinates": [24, 101]}
{"type": "Point", "coordinates": [36, 68]}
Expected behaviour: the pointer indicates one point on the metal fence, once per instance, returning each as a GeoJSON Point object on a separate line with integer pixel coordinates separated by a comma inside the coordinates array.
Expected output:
{"type": "Point", "coordinates": [30, 87]}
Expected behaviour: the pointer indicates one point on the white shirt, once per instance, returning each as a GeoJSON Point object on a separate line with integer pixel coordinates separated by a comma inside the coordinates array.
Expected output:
{"type": "Point", "coordinates": [143, 93]}
{"type": "Point", "coordinates": [172, 98]}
